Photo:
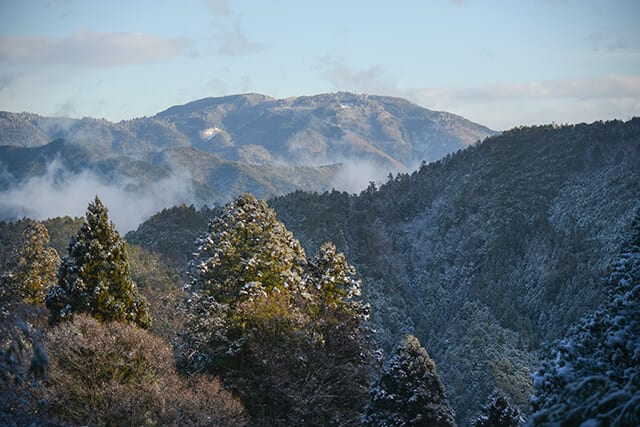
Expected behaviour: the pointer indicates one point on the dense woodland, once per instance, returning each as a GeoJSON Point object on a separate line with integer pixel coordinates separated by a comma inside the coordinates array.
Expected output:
{"type": "Point", "coordinates": [496, 287]}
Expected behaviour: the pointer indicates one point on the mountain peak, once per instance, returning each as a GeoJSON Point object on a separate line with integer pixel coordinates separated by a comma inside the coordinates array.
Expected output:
{"type": "Point", "coordinates": [239, 100]}
{"type": "Point", "coordinates": [370, 136]}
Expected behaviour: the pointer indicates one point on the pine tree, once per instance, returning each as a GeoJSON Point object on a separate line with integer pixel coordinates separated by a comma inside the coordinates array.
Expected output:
{"type": "Point", "coordinates": [409, 391]}
{"type": "Point", "coordinates": [94, 277]}
{"type": "Point", "coordinates": [498, 412]}
{"type": "Point", "coordinates": [246, 247]}
{"type": "Point", "coordinates": [282, 332]}
{"type": "Point", "coordinates": [31, 267]}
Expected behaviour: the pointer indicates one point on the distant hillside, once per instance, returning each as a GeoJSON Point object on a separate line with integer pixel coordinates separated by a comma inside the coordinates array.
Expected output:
{"type": "Point", "coordinates": [482, 255]}
{"type": "Point", "coordinates": [252, 128]}
{"type": "Point", "coordinates": [322, 129]}
{"type": "Point", "coordinates": [211, 150]}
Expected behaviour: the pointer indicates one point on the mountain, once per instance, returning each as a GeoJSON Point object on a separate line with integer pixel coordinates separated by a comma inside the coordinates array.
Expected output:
{"type": "Point", "coordinates": [483, 255]}
{"type": "Point", "coordinates": [322, 129]}
{"type": "Point", "coordinates": [211, 150]}
{"type": "Point", "coordinates": [252, 128]}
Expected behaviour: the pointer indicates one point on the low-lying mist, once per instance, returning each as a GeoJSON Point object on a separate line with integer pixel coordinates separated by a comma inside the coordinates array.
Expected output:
{"type": "Point", "coordinates": [59, 192]}
{"type": "Point", "coordinates": [356, 174]}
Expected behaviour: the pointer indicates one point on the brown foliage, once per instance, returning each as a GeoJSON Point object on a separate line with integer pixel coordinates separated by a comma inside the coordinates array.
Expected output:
{"type": "Point", "coordinates": [116, 374]}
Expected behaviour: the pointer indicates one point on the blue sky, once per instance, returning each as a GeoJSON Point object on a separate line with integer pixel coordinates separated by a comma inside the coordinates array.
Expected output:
{"type": "Point", "coordinates": [499, 63]}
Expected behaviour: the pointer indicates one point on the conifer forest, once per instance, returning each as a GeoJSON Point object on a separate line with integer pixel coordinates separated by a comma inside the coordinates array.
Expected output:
{"type": "Point", "coordinates": [497, 286]}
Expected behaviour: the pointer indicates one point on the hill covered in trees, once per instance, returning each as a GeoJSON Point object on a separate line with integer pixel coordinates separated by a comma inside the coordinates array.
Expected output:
{"type": "Point", "coordinates": [284, 333]}
{"type": "Point", "coordinates": [486, 254]}
{"type": "Point", "coordinates": [515, 256]}
{"type": "Point", "coordinates": [212, 150]}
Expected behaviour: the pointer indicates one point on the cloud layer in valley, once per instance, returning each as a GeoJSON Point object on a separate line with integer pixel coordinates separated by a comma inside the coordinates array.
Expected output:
{"type": "Point", "coordinates": [60, 193]}
{"type": "Point", "coordinates": [355, 175]}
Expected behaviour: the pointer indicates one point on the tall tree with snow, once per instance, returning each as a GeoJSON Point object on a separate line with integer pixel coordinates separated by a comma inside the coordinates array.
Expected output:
{"type": "Point", "coordinates": [95, 278]}
{"type": "Point", "coordinates": [282, 331]}
{"type": "Point", "coordinates": [31, 267]}
{"type": "Point", "coordinates": [409, 391]}
{"type": "Point", "coordinates": [592, 377]}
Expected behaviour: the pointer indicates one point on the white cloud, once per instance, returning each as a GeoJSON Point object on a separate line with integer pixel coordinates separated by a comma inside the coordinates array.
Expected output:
{"type": "Point", "coordinates": [90, 48]}
{"type": "Point", "coordinates": [355, 175]}
{"type": "Point", "coordinates": [562, 101]}
{"type": "Point", "coordinates": [371, 80]}
{"type": "Point", "coordinates": [602, 87]}
{"type": "Point", "coordinates": [236, 42]}
{"type": "Point", "coordinates": [219, 7]}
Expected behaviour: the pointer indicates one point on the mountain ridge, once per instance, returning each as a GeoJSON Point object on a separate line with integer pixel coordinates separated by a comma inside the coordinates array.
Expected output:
{"type": "Point", "coordinates": [385, 128]}
{"type": "Point", "coordinates": [224, 146]}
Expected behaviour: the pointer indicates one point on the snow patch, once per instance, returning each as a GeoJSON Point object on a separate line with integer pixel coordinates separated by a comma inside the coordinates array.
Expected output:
{"type": "Point", "coordinates": [209, 133]}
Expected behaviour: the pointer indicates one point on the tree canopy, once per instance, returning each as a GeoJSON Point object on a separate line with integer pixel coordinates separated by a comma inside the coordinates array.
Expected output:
{"type": "Point", "coordinates": [31, 267]}
{"type": "Point", "coordinates": [94, 277]}
{"type": "Point", "coordinates": [591, 377]}
{"type": "Point", "coordinates": [282, 331]}
{"type": "Point", "coordinates": [409, 391]}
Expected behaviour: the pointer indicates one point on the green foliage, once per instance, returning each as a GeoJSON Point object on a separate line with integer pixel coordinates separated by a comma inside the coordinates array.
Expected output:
{"type": "Point", "coordinates": [61, 230]}
{"type": "Point", "coordinates": [409, 391]}
{"type": "Point", "coordinates": [283, 332]}
{"type": "Point", "coordinates": [30, 268]}
{"type": "Point", "coordinates": [521, 226]}
{"type": "Point", "coordinates": [504, 364]}
{"type": "Point", "coordinates": [114, 374]}
{"type": "Point", "coordinates": [171, 233]}
{"type": "Point", "coordinates": [9, 234]}
{"type": "Point", "coordinates": [482, 255]}
{"type": "Point", "coordinates": [160, 284]}
{"type": "Point", "coordinates": [246, 246]}
{"type": "Point", "coordinates": [95, 277]}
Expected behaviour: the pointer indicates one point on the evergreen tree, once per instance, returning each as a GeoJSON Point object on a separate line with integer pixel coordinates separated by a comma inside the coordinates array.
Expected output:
{"type": "Point", "coordinates": [31, 267]}
{"type": "Point", "coordinates": [592, 376]}
{"type": "Point", "coordinates": [283, 332]}
{"type": "Point", "coordinates": [94, 277]}
{"type": "Point", "coordinates": [409, 391]}
{"type": "Point", "coordinates": [498, 412]}
{"type": "Point", "coordinates": [246, 247]}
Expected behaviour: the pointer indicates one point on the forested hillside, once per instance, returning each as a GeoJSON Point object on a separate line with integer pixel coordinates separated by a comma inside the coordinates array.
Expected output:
{"type": "Point", "coordinates": [485, 254]}
{"type": "Point", "coordinates": [485, 258]}
{"type": "Point", "coordinates": [490, 251]}
{"type": "Point", "coordinates": [590, 376]}
{"type": "Point", "coordinates": [262, 335]}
